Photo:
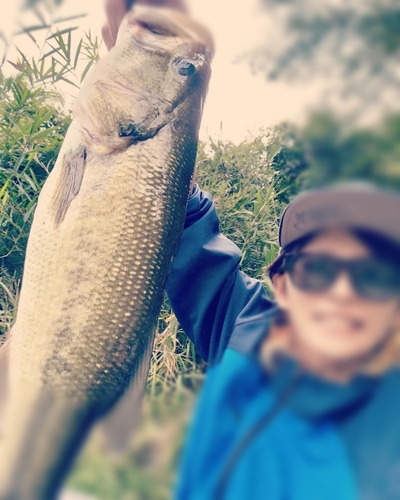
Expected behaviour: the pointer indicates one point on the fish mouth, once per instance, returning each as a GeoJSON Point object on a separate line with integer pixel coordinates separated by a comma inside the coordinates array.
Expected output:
{"type": "Point", "coordinates": [115, 110]}
{"type": "Point", "coordinates": [162, 29]}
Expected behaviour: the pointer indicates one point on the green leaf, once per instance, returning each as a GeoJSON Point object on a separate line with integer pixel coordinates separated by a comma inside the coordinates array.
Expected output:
{"type": "Point", "coordinates": [77, 53]}
{"type": "Point", "coordinates": [29, 209]}
{"type": "Point", "coordinates": [85, 71]}
{"type": "Point", "coordinates": [41, 134]}
{"type": "Point", "coordinates": [7, 290]}
{"type": "Point", "coordinates": [50, 53]}
{"type": "Point", "coordinates": [69, 18]}
{"type": "Point", "coordinates": [59, 34]}
{"type": "Point", "coordinates": [29, 29]}
{"type": "Point", "coordinates": [5, 198]}
{"type": "Point", "coordinates": [69, 82]}
{"type": "Point", "coordinates": [39, 15]}
{"type": "Point", "coordinates": [4, 187]}
{"type": "Point", "coordinates": [32, 38]}
{"type": "Point", "coordinates": [69, 46]}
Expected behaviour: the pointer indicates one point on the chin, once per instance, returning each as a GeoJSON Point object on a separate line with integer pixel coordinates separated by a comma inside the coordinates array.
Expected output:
{"type": "Point", "coordinates": [341, 354]}
{"type": "Point", "coordinates": [339, 349]}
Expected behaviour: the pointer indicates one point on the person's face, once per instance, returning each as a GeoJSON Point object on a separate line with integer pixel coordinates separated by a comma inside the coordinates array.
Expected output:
{"type": "Point", "coordinates": [336, 325]}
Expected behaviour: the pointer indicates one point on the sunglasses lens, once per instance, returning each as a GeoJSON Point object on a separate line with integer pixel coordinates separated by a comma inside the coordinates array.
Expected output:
{"type": "Point", "coordinates": [312, 273]}
{"type": "Point", "coordinates": [371, 278]}
{"type": "Point", "coordinates": [376, 280]}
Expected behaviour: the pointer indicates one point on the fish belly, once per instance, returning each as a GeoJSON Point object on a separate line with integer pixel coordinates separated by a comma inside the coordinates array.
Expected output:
{"type": "Point", "coordinates": [91, 294]}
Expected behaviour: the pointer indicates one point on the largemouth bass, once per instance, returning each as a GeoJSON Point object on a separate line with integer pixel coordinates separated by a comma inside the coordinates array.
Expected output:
{"type": "Point", "coordinates": [106, 227]}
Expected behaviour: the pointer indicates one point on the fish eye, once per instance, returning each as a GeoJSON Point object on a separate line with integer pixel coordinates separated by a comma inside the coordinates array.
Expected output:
{"type": "Point", "coordinates": [185, 67]}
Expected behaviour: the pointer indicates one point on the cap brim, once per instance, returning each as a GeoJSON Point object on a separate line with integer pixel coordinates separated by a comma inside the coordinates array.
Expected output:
{"type": "Point", "coordinates": [348, 206]}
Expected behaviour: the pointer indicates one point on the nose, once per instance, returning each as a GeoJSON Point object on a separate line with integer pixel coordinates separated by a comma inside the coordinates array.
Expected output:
{"type": "Point", "coordinates": [342, 289]}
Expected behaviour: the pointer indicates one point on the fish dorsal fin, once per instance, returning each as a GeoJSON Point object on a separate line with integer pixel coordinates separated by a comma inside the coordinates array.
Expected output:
{"type": "Point", "coordinates": [120, 424]}
{"type": "Point", "coordinates": [69, 182]}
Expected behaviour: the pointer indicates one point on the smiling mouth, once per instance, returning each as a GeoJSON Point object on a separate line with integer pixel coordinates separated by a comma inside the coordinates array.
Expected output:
{"type": "Point", "coordinates": [339, 323]}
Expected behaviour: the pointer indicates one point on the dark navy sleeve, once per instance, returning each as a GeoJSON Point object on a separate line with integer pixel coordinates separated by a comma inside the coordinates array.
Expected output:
{"type": "Point", "coordinates": [206, 288]}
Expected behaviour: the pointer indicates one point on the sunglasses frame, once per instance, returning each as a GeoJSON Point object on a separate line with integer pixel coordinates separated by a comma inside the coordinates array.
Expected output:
{"type": "Point", "coordinates": [342, 265]}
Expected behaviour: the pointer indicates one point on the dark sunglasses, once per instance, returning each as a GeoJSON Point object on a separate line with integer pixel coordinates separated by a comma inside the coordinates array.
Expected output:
{"type": "Point", "coordinates": [371, 278]}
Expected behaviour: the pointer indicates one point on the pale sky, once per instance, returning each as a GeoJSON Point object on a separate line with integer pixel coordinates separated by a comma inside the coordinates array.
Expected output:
{"type": "Point", "coordinates": [238, 102]}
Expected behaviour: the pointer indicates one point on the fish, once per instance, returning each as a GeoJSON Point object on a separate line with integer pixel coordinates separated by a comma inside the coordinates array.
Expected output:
{"type": "Point", "coordinates": [106, 227]}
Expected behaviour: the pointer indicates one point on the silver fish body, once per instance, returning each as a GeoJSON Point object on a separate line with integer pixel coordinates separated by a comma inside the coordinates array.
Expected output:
{"type": "Point", "coordinates": [107, 225]}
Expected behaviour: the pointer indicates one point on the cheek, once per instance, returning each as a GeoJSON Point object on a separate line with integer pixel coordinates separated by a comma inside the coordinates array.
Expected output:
{"type": "Point", "coordinates": [380, 317]}
{"type": "Point", "coordinates": [288, 297]}
{"type": "Point", "coordinates": [298, 305]}
{"type": "Point", "coordinates": [297, 301]}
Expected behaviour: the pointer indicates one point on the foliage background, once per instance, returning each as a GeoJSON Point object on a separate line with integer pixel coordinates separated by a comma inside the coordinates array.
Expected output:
{"type": "Point", "coordinates": [251, 184]}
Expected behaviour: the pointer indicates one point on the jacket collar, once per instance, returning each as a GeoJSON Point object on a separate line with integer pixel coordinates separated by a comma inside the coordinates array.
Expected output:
{"type": "Point", "coordinates": [318, 398]}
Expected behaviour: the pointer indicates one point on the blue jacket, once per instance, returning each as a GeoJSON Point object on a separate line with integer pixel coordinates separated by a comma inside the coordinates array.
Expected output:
{"type": "Point", "coordinates": [282, 436]}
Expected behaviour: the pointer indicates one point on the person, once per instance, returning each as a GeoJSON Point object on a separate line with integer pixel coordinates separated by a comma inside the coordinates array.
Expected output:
{"type": "Point", "coordinates": [301, 397]}
{"type": "Point", "coordinates": [300, 400]}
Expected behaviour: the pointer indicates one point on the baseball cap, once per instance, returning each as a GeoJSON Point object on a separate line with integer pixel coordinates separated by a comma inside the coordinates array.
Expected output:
{"type": "Point", "coordinates": [352, 205]}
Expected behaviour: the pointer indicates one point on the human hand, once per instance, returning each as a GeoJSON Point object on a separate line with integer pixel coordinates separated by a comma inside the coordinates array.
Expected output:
{"type": "Point", "coordinates": [116, 10]}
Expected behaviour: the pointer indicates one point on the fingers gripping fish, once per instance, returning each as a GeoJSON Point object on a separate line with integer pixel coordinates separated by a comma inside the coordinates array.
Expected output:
{"type": "Point", "coordinates": [107, 225]}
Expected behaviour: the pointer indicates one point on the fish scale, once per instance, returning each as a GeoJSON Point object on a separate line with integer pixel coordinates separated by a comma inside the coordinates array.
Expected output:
{"type": "Point", "coordinates": [146, 268]}
{"type": "Point", "coordinates": [106, 228]}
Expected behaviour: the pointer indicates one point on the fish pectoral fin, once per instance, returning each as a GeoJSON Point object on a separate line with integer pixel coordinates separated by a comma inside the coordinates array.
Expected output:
{"type": "Point", "coordinates": [119, 425]}
{"type": "Point", "coordinates": [69, 182]}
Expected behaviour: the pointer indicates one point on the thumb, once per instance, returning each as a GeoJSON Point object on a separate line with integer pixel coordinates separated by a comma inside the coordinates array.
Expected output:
{"type": "Point", "coordinates": [115, 12]}
{"type": "Point", "coordinates": [106, 34]}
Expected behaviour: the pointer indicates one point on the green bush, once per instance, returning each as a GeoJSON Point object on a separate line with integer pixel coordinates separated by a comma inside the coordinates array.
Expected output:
{"type": "Point", "coordinates": [32, 128]}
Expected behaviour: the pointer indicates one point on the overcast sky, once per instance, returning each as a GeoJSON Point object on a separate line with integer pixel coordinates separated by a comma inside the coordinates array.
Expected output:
{"type": "Point", "coordinates": [238, 102]}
